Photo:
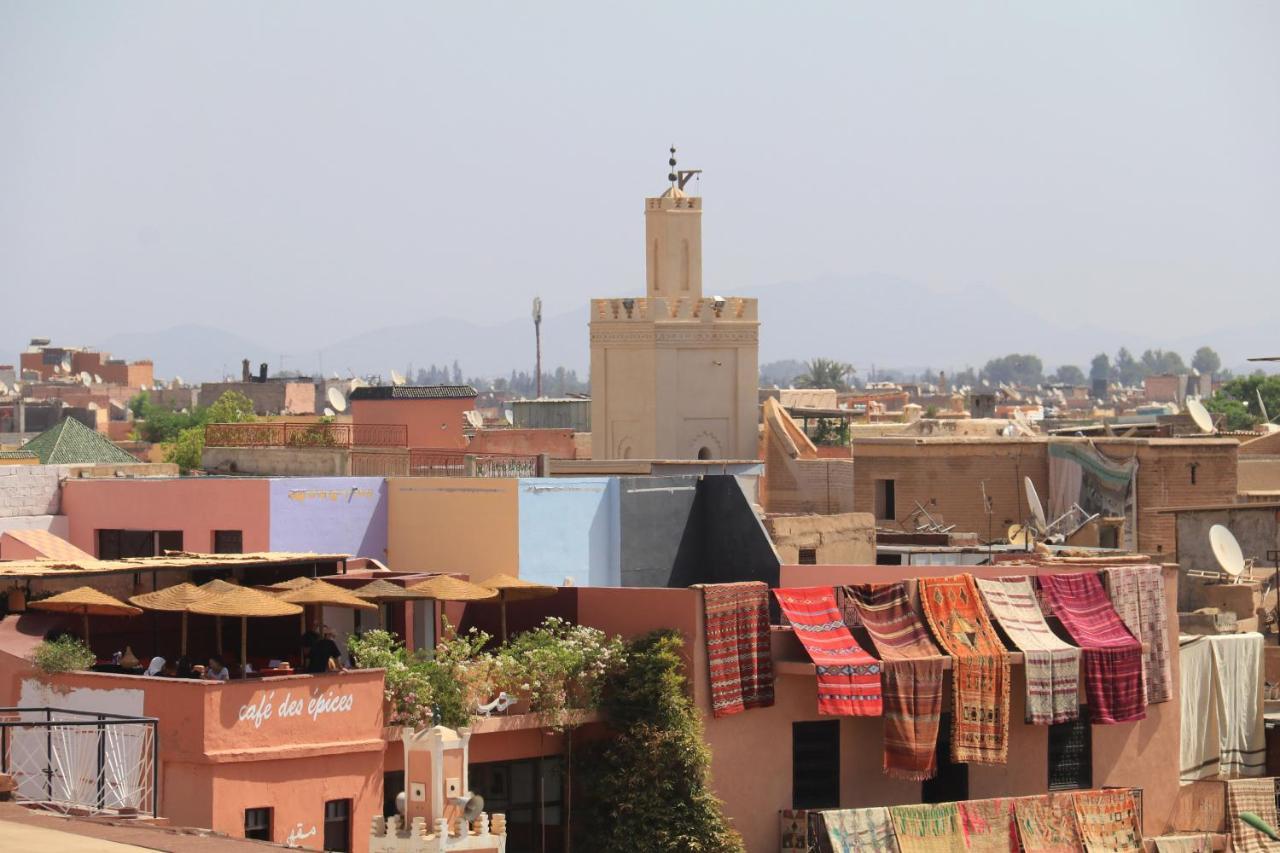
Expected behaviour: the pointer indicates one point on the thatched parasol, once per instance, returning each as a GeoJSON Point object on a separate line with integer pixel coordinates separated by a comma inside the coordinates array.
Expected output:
{"type": "Point", "coordinates": [86, 601]}
{"type": "Point", "coordinates": [316, 592]}
{"type": "Point", "coordinates": [292, 583]}
{"type": "Point", "coordinates": [511, 588]}
{"type": "Point", "coordinates": [448, 588]}
{"type": "Point", "coordinates": [174, 599]}
{"type": "Point", "coordinates": [245, 602]}
{"type": "Point", "coordinates": [383, 590]}
{"type": "Point", "coordinates": [218, 586]}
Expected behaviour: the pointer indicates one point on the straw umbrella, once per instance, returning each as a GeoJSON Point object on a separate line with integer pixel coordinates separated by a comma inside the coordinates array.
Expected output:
{"type": "Point", "coordinates": [318, 593]}
{"type": "Point", "coordinates": [448, 588]}
{"type": "Point", "coordinates": [385, 592]}
{"type": "Point", "coordinates": [292, 583]}
{"type": "Point", "coordinates": [217, 587]}
{"type": "Point", "coordinates": [244, 602]}
{"type": "Point", "coordinates": [86, 601]}
{"type": "Point", "coordinates": [511, 588]}
{"type": "Point", "coordinates": [175, 599]}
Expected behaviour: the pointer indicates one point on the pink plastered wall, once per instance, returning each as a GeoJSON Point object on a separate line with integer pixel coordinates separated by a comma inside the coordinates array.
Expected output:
{"type": "Point", "coordinates": [431, 423]}
{"type": "Point", "coordinates": [196, 506]}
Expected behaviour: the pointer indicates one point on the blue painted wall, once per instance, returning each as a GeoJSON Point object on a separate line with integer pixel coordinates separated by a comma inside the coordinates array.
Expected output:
{"type": "Point", "coordinates": [337, 515]}
{"type": "Point", "coordinates": [568, 529]}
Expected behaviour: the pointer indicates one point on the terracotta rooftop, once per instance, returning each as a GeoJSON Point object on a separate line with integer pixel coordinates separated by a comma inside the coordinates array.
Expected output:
{"type": "Point", "coordinates": [174, 560]}
{"type": "Point", "coordinates": [412, 392]}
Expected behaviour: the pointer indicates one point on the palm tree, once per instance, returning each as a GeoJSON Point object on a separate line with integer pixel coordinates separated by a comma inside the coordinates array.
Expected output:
{"type": "Point", "coordinates": [826, 373]}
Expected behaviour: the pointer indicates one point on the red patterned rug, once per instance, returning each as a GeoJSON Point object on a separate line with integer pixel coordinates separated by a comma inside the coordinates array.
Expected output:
{"type": "Point", "coordinates": [848, 677]}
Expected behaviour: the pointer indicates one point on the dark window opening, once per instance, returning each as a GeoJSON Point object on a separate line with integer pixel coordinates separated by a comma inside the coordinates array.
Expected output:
{"type": "Point", "coordinates": [337, 826]}
{"type": "Point", "coordinates": [257, 824]}
{"type": "Point", "coordinates": [704, 452]}
{"type": "Point", "coordinates": [228, 542]}
{"type": "Point", "coordinates": [1071, 755]}
{"type": "Point", "coordinates": [392, 785]}
{"type": "Point", "coordinates": [952, 782]}
{"type": "Point", "coordinates": [531, 793]}
{"type": "Point", "coordinates": [168, 540]}
{"type": "Point", "coordinates": [808, 557]}
{"type": "Point", "coordinates": [815, 765]}
{"type": "Point", "coordinates": [885, 507]}
{"type": "Point", "coordinates": [118, 544]}
{"type": "Point", "coordinates": [888, 559]}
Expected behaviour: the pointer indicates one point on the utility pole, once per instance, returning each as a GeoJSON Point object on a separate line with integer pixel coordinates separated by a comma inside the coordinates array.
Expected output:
{"type": "Point", "coordinates": [537, 343]}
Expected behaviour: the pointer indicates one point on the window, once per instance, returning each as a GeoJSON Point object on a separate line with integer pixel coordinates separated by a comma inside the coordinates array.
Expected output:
{"type": "Point", "coordinates": [952, 782]}
{"type": "Point", "coordinates": [115, 544]}
{"type": "Point", "coordinates": [815, 765]}
{"type": "Point", "coordinates": [1071, 755]}
{"type": "Point", "coordinates": [531, 794]}
{"type": "Point", "coordinates": [808, 557]}
{"type": "Point", "coordinates": [228, 542]}
{"type": "Point", "coordinates": [337, 826]}
{"type": "Point", "coordinates": [885, 508]}
{"type": "Point", "coordinates": [257, 824]}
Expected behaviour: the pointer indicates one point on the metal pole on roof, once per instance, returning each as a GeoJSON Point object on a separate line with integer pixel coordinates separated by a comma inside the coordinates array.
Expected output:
{"type": "Point", "coordinates": [537, 343]}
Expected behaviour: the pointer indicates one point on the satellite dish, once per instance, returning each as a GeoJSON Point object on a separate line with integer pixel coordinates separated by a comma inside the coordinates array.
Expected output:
{"type": "Point", "coordinates": [1262, 407]}
{"type": "Point", "coordinates": [57, 368]}
{"type": "Point", "coordinates": [396, 378]}
{"type": "Point", "coordinates": [177, 382]}
{"type": "Point", "coordinates": [473, 808]}
{"type": "Point", "coordinates": [1227, 550]}
{"type": "Point", "coordinates": [1200, 415]}
{"type": "Point", "coordinates": [328, 412]}
{"type": "Point", "coordinates": [337, 400]}
{"type": "Point", "coordinates": [474, 419]}
{"type": "Point", "coordinates": [97, 380]}
{"type": "Point", "coordinates": [4, 390]}
{"type": "Point", "coordinates": [356, 382]}
{"type": "Point", "coordinates": [1033, 501]}
{"type": "Point", "coordinates": [1020, 536]}
{"type": "Point", "coordinates": [85, 378]}
{"type": "Point", "coordinates": [66, 363]}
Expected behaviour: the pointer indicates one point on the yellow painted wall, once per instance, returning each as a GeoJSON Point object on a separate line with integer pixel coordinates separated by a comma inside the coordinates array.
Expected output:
{"type": "Point", "coordinates": [455, 524]}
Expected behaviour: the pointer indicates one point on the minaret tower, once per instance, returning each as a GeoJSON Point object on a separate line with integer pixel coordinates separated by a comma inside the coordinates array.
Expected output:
{"type": "Point", "coordinates": [673, 238]}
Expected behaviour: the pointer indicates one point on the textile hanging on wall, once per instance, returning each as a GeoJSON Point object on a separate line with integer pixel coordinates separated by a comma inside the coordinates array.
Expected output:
{"type": "Point", "coordinates": [1052, 667]}
{"type": "Point", "coordinates": [861, 830]}
{"type": "Point", "coordinates": [1079, 474]}
{"type": "Point", "coordinates": [1108, 822]}
{"type": "Point", "coordinates": [1257, 796]}
{"type": "Point", "coordinates": [848, 677]}
{"type": "Point", "coordinates": [1199, 748]}
{"type": "Point", "coordinates": [912, 678]}
{"type": "Point", "coordinates": [1047, 824]}
{"type": "Point", "coordinates": [1239, 678]}
{"type": "Point", "coordinates": [1200, 843]}
{"type": "Point", "coordinates": [739, 655]}
{"type": "Point", "coordinates": [1137, 593]}
{"type": "Point", "coordinates": [979, 669]}
{"type": "Point", "coordinates": [1112, 656]}
{"type": "Point", "coordinates": [928, 829]}
{"type": "Point", "coordinates": [988, 825]}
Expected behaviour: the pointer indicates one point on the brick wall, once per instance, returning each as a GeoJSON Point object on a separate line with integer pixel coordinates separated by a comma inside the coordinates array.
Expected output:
{"type": "Point", "coordinates": [29, 490]}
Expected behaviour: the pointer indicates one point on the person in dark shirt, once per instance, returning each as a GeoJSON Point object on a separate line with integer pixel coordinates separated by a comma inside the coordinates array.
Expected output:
{"type": "Point", "coordinates": [322, 651]}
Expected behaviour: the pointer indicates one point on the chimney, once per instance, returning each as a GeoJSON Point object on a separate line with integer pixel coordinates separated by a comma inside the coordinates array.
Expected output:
{"type": "Point", "coordinates": [262, 372]}
{"type": "Point", "coordinates": [245, 375]}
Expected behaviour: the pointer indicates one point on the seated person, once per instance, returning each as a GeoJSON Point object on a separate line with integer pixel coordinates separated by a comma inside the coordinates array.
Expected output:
{"type": "Point", "coordinates": [155, 667]}
{"type": "Point", "coordinates": [184, 669]}
{"type": "Point", "coordinates": [217, 670]}
{"type": "Point", "coordinates": [324, 654]}
{"type": "Point", "coordinates": [170, 669]}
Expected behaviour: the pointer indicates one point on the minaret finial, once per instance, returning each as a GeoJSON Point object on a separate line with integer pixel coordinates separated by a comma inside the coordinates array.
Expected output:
{"type": "Point", "coordinates": [671, 176]}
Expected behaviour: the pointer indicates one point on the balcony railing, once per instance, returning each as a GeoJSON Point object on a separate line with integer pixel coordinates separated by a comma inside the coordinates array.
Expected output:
{"type": "Point", "coordinates": [286, 434]}
{"type": "Point", "coordinates": [428, 462]}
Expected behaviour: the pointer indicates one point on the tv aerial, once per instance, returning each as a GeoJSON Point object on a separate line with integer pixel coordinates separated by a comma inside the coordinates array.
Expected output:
{"type": "Point", "coordinates": [1199, 414]}
{"type": "Point", "coordinates": [1062, 527]}
{"type": "Point", "coordinates": [337, 400]}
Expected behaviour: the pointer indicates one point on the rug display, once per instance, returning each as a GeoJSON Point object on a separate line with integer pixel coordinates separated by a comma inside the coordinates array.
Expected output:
{"type": "Point", "coordinates": [980, 669]}
{"type": "Point", "coordinates": [1251, 795]}
{"type": "Point", "coordinates": [1137, 593]}
{"type": "Point", "coordinates": [1107, 821]}
{"type": "Point", "coordinates": [1052, 666]}
{"type": "Point", "coordinates": [855, 830]}
{"type": "Point", "coordinates": [848, 677]}
{"type": "Point", "coordinates": [1239, 679]}
{"type": "Point", "coordinates": [912, 678]}
{"type": "Point", "coordinates": [1047, 824]}
{"type": "Point", "coordinates": [988, 825]}
{"type": "Point", "coordinates": [1199, 747]}
{"type": "Point", "coordinates": [1112, 656]}
{"type": "Point", "coordinates": [928, 828]}
{"type": "Point", "coordinates": [739, 655]}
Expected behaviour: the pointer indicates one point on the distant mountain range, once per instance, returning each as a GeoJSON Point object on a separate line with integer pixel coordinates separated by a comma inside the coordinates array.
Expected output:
{"type": "Point", "coordinates": [865, 320]}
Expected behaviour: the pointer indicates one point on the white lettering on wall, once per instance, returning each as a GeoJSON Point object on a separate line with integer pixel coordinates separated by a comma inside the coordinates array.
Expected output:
{"type": "Point", "coordinates": [266, 708]}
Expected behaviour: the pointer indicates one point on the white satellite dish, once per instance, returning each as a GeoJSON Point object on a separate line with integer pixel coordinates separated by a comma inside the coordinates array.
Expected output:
{"type": "Point", "coordinates": [177, 382]}
{"type": "Point", "coordinates": [66, 363]}
{"type": "Point", "coordinates": [1200, 415]}
{"type": "Point", "coordinates": [474, 418]}
{"type": "Point", "coordinates": [396, 378]}
{"type": "Point", "coordinates": [356, 382]}
{"type": "Point", "coordinates": [97, 380]}
{"type": "Point", "coordinates": [1227, 550]}
{"type": "Point", "coordinates": [328, 412]}
{"type": "Point", "coordinates": [4, 390]}
{"type": "Point", "coordinates": [337, 400]}
{"type": "Point", "coordinates": [85, 378]}
{"type": "Point", "coordinates": [1033, 501]}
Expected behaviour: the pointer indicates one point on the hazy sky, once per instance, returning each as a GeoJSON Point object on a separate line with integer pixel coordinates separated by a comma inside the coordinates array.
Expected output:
{"type": "Point", "coordinates": [292, 169]}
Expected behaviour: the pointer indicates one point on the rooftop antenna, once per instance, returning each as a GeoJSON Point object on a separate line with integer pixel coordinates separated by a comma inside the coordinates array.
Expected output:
{"type": "Point", "coordinates": [1199, 414]}
{"type": "Point", "coordinates": [1262, 407]}
{"type": "Point", "coordinates": [537, 343]}
{"type": "Point", "coordinates": [337, 400]}
{"type": "Point", "coordinates": [679, 177]}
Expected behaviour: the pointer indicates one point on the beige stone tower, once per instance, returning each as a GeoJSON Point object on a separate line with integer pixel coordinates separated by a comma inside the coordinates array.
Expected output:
{"type": "Point", "coordinates": [674, 375]}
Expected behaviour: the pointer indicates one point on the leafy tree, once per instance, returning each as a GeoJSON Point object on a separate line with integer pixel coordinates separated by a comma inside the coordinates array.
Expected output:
{"type": "Point", "coordinates": [1238, 400]}
{"type": "Point", "coordinates": [1069, 374]}
{"type": "Point", "coordinates": [1206, 361]}
{"type": "Point", "coordinates": [781, 373]}
{"type": "Point", "coordinates": [188, 446]}
{"type": "Point", "coordinates": [964, 377]}
{"type": "Point", "coordinates": [1159, 361]}
{"type": "Point", "coordinates": [1128, 369]}
{"type": "Point", "coordinates": [1100, 368]}
{"type": "Point", "coordinates": [231, 408]}
{"type": "Point", "coordinates": [825, 373]}
{"type": "Point", "coordinates": [187, 449]}
{"type": "Point", "coordinates": [1017, 369]}
{"type": "Point", "coordinates": [139, 403]}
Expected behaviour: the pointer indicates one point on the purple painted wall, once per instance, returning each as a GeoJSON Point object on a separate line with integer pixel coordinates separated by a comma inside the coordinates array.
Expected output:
{"type": "Point", "coordinates": [337, 515]}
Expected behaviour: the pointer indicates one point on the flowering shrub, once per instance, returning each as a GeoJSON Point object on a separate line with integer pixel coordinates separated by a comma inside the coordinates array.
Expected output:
{"type": "Point", "coordinates": [408, 686]}
{"type": "Point", "coordinates": [558, 666]}
{"type": "Point", "coordinates": [64, 654]}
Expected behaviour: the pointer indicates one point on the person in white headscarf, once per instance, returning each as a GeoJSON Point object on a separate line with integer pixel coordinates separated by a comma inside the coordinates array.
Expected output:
{"type": "Point", "coordinates": [156, 665]}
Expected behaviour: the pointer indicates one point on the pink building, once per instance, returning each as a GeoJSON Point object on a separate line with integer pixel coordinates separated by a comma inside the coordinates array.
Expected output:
{"type": "Point", "coordinates": [434, 414]}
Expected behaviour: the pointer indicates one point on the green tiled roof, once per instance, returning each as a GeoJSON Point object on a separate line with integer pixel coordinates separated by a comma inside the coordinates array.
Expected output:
{"type": "Point", "coordinates": [17, 454]}
{"type": "Point", "coordinates": [70, 442]}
